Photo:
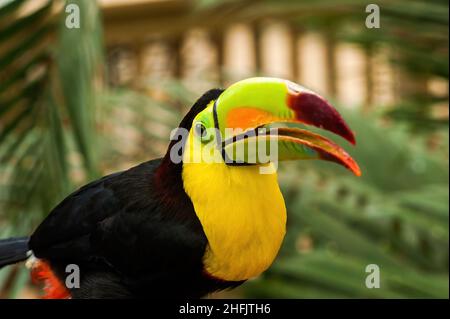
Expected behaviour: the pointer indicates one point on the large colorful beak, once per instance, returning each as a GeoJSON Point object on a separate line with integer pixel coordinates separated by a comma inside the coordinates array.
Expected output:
{"type": "Point", "coordinates": [255, 103]}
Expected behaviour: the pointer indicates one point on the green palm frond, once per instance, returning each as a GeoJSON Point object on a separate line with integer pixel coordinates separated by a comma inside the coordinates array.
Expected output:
{"type": "Point", "coordinates": [46, 109]}
{"type": "Point", "coordinates": [44, 104]}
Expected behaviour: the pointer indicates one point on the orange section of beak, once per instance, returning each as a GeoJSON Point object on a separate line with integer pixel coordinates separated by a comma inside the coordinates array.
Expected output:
{"type": "Point", "coordinates": [249, 117]}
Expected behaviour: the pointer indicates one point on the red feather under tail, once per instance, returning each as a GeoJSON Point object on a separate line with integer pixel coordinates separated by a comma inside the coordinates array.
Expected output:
{"type": "Point", "coordinates": [53, 287]}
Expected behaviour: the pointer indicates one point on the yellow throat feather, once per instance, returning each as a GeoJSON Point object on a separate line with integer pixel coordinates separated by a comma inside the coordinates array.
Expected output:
{"type": "Point", "coordinates": [242, 213]}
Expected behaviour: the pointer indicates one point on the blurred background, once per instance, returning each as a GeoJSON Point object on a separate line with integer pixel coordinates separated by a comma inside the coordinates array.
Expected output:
{"type": "Point", "coordinates": [76, 104]}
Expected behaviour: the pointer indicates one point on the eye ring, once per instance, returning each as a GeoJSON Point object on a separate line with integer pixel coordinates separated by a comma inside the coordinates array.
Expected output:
{"type": "Point", "coordinates": [200, 130]}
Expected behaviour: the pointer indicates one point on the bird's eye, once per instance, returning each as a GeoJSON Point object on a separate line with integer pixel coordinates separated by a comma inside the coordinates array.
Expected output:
{"type": "Point", "coordinates": [200, 130]}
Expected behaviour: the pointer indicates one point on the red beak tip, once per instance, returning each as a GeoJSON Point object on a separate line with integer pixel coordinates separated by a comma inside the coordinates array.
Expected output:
{"type": "Point", "coordinates": [352, 139]}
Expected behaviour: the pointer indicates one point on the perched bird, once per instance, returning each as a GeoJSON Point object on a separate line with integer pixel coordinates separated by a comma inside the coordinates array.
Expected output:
{"type": "Point", "coordinates": [205, 217]}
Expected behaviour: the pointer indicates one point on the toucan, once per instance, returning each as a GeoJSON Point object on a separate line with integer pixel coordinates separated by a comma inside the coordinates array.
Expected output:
{"type": "Point", "coordinates": [205, 217]}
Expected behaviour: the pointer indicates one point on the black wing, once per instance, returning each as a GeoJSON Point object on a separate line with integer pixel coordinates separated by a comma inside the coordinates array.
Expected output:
{"type": "Point", "coordinates": [123, 222]}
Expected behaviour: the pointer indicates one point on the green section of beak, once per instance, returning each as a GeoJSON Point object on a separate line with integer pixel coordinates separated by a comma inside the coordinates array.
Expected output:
{"type": "Point", "coordinates": [267, 95]}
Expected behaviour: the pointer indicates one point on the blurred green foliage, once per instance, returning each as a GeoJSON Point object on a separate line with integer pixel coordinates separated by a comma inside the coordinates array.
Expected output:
{"type": "Point", "coordinates": [415, 32]}
{"type": "Point", "coordinates": [58, 121]}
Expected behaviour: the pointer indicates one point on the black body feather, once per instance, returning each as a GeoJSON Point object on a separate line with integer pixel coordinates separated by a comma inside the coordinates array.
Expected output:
{"type": "Point", "coordinates": [134, 234]}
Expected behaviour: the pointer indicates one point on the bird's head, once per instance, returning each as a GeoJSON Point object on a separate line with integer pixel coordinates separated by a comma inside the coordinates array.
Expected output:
{"type": "Point", "coordinates": [223, 155]}
{"type": "Point", "coordinates": [246, 125]}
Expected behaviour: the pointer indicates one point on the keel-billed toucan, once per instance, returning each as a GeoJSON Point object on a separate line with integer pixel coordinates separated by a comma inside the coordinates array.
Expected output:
{"type": "Point", "coordinates": [178, 227]}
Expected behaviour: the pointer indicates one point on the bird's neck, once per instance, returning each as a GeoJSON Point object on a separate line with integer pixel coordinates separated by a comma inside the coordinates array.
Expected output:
{"type": "Point", "coordinates": [242, 213]}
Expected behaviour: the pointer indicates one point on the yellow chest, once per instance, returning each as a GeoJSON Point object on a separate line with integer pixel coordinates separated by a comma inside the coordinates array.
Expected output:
{"type": "Point", "coordinates": [243, 216]}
